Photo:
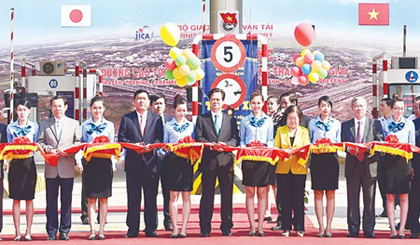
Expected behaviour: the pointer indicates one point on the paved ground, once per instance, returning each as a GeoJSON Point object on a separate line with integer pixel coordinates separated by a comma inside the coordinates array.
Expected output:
{"type": "Point", "coordinates": [116, 220]}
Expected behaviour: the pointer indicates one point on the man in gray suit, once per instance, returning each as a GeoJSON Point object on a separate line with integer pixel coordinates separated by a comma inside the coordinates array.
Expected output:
{"type": "Point", "coordinates": [361, 170]}
{"type": "Point", "coordinates": [55, 135]}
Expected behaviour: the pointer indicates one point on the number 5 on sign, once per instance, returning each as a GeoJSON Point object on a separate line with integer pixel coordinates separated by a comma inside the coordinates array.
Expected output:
{"type": "Point", "coordinates": [228, 54]}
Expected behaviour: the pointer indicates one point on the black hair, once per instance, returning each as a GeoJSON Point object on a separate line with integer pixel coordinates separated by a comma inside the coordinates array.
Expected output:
{"type": "Point", "coordinates": [417, 98]}
{"type": "Point", "coordinates": [58, 97]}
{"type": "Point", "coordinates": [275, 98]}
{"type": "Point", "coordinates": [178, 100]}
{"type": "Point", "coordinates": [139, 92]}
{"type": "Point", "coordinates": [292, 97]}
{"type": "Point", "coordinates": [396, 98]}
{"type": "Point", "coordinates": [155, 97]}
{"type": "Point", "coordinates": [24, 103]}
{"type": "Point", "coordinates": [256, 93]}
{"type": "Point", "coordinates": [96, 99]}
{"type": "Point", "coordinates": [326, 99]}
{"type": "Point", "coordinates": [291, 109]}
{"type": "Point", "coordinates": [388, 101]}
{"type": "Point", "coordinates": [217, 90]}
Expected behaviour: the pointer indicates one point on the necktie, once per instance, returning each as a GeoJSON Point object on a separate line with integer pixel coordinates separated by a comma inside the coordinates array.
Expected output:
{"type": "Point", "coordinates": [359, 136]}
{"type": "Point", "coordinates": [59, 129]}
{"type": "Point", "coordinates": [141, 125]}
{"type": "Point", "coordinates": [22, 131]}
{"type": "Point", "coordinates": [216, 124]}
{"type": "Point", "coordinates": [98, 129]}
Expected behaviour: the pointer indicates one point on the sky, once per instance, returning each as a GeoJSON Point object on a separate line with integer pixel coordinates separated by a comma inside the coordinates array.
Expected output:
{"type": "Point", "coordinates": [39, 21]}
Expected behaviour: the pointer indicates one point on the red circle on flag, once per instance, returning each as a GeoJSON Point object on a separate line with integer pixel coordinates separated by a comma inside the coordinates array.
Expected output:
{"type": "Point", "coordinates": [76, 15]}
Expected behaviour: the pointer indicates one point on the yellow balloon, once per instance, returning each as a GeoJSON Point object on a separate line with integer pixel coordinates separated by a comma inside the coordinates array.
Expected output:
{"type": "Point", "coordinates": [184, 70]}
{"type": "Point", "coordinates": [316, 66]}
{"type": "Point", "coordinates": [326, 65]}
{"type": "Point", "coordinates": [170, 34]}
{"type": "Point", "coordinates": [177, 74]}
{"type": "Point", "coordinates": [305, 51]}
{"type": "Point", "coordinates": [175, 52]}
{"type": "Point", "coordinates": [182, 82]}
{"type": "Point", "coordinates": [313, 77]}
{"type": "Point", "coordinates": [187, 53]}
{"type": "Point", "coordinates": [300, 61]}
{"type": "Point", "coordinates": [200, 74]}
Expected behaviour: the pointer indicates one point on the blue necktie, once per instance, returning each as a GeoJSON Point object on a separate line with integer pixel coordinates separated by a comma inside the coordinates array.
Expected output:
{"type": "Point", "coordinates": [216, 124]}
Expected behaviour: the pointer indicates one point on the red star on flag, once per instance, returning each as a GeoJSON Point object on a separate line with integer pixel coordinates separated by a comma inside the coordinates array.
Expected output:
{"type": "Point", "coordinates": [229, 18]}
{"type": "Point", "coordinates": [374, 14]}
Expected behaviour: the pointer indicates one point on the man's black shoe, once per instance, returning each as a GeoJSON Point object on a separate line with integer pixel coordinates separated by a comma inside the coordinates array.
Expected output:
{"type": "Point", "coordinates": [168, 227]}
{"type": "Point", "coordinates": [352, 234]}
{"type": "Point", "coordinates": [64, 236]}
{"type": "Point", "coordinates": [277, 227]}
{"type": "Point", "coordinates": [369, 235]}
{"type": "Point", "coordinates": [52, 237]}
{"type": "Point", "coordinates": [204, 234]}
{"type": "Point", "coordinates": [128, 235]}
{"type": "Point", "coordinates": [414, 235]}
{"type": "Point", "coordinates": [382, 215]}
{"type": "Point", "coordinates": [227, 233]}
{"type": "Point", "coordinates": [85, 221]}
{"type": "Point", "coordinates": [151, 234]}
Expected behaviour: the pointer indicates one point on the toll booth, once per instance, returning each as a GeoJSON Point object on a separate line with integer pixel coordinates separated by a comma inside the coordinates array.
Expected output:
{"type": "Point", "coordinates": [402, 78]}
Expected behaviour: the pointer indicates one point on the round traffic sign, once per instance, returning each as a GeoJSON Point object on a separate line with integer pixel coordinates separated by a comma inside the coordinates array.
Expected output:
{"type": "Point", "coordinates": [234, 87]}
{"type": "Point", "coordinates": [228, 54]}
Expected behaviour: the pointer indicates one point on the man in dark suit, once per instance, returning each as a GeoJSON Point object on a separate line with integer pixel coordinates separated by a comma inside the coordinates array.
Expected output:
{"type": "Point", "coordinates": [361, 171]}
{"type": "Point", "coordinates": [220, 128]}
{"type": "Point", "coordinates": [3, 138]}
{"type": "Point", "coordinates": [414, 205]}
{"type": "Point", "coordinates": [143, 127]}
{"type": "Point", "coordinates": [158, 106]}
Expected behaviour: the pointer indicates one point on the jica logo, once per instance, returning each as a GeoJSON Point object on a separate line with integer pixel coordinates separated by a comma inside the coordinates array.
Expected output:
{"type": "Point", "coordinates": [145, 33]}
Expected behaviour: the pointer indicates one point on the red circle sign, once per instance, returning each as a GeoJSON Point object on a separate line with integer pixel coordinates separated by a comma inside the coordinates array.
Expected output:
{"type": "Point", "coordinates": [234, 87]}
{"type": "Point", "coordinates": [228, 54]}
{"type": "Point", "coordinates": [76, 15]}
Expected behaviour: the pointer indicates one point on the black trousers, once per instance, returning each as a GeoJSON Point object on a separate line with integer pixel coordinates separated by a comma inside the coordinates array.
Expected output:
{"type": "Point", "coordinates": [292, 193]}
{"type": "Point", "coordinates": [361, 180]}
{"type": "Point", "coordinates": [136, 183]}
{"type": "Point", "coordinates": [66, 191]}
{"type": "Point", "coordinates": [225, 177]}
{"type": "Point", "coordinates": [414, 206]}
{"type": "Point", "coordinates": [165, 193]}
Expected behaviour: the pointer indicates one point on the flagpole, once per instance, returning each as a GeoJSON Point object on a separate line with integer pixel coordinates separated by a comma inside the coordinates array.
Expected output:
{"type": "Point", "coordinates": [404, 41]}
{"type": "Point", "coordinates": [11, 64]}
{"type": "Point", "coordinates": [204, 15]}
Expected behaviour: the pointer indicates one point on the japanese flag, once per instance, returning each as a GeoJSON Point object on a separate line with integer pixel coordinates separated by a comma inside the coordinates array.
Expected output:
{"type": "Point", "coordinates": [76, 16]}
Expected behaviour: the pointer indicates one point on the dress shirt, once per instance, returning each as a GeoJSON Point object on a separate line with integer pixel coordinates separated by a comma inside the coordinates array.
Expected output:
{"type": "Point", "coordinates": [174, 131]}
{"type": "Point", "coordinates": [362, 127]}
{"type": "Point", "coordinates": [88, 135]}
{"type": "Point", "coordinates": [261, 129]}
{"type": "Point", "coordinates": [142, 121]}
{"type": "Point", "coordinates": [15, 130]}
{"type": "Point", "coordinates": [334, 132]}
{"type": "Point", "coordinates": [405, 135]}
{"type": "Point", "coordinates": [59, 126]}
{"type": "Point", "coordinates": [219, 119]}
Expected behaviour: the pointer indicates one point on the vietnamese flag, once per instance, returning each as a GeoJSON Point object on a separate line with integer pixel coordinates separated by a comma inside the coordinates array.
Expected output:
{"type": "Point", "coordinates": [374, 14]}
{"type": "Point", "coordinates": [229, 18]}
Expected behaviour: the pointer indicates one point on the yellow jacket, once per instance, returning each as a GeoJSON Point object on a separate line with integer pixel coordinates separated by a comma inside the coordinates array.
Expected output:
{"type": "Point", "coordinates": [282, 140]}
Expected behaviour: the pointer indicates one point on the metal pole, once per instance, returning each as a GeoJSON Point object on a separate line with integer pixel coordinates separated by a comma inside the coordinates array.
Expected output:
{"type": "Point", "coordinates": [404, 41]}
{"type": "Point", "coordinates": [12, 17]}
